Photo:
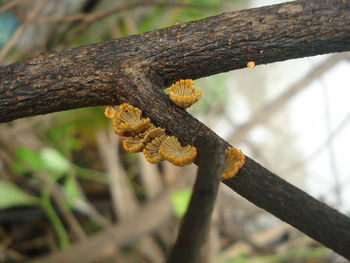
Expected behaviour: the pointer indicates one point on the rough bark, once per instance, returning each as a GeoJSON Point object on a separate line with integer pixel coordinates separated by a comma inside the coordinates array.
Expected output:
{"type": "Point", "coordinates": [135, 69]}
{"type": "Point", "coordinates": [95, 74]}
{"type": "Point", "coordinates": [195, 224]}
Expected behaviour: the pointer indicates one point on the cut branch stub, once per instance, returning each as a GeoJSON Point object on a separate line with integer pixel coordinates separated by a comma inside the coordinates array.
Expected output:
{"type": "Point", "coordinates": [183, 94]}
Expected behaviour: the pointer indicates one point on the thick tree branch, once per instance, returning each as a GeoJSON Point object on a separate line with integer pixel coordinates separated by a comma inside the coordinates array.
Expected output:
{"type": "Point", "coordinates": [93, 75]}
{"type": "Point", "coordinates": [196, 221]}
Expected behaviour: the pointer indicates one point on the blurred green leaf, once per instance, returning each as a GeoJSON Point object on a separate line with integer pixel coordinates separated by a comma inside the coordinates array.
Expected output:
{"type": "Point", "coordinates": [55, 161]}
{"type": "Point", "coordinates": [29, 159]}
{"type": "Point", "coordinates": [11, 195]}
{"type": "Point", "coordinates": [180, 200]}
{"type": "Point", "coordinates": [151, 20]}
{"type": "Point", "coordinates": [72, 191]}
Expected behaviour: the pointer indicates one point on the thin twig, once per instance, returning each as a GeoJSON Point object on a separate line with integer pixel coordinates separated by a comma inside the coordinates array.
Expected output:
{"type": "Point", "coordinates": [264, 113]}
{"type": "Point", "coordinates": [195, 224]}
{"type": "Point", "coordinates": [146, 220]}
{"type": "Point", "coordinates": [91, 18]}
{"type": "Point", "coordinates": [124, 201]}
{"type": "Point", "coordinates": [331, 153]}
{"type": "Point", "coordinates": [320, 148]}
{"type": "Point", "coordinates": [30, 18]}
{"type": "Point", "coordinates": [58, 198]}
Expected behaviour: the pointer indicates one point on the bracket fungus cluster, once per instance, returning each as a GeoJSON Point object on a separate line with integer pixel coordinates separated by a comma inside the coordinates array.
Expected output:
{"type": "Point", "coordinates": [143, 136]}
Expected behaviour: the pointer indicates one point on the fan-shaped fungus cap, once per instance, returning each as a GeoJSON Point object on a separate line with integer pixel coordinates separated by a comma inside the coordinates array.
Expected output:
{"type": "Point", "coordinates": [137, 143]}
{"type": "Point", "coordinates": [110, 112]}
{"type": "Point", "coordinates": [129, 121]}
{"type": "Point", "coordinates": [183, 93]}
{"type": "Point", "coordinates": [134, 144]}
{"type": "Point", "coordinates": [234, 160]}
{"type": "Point", "coordinates": [152, 149]}
{"type": "Point", "coordinates": [172, 150]}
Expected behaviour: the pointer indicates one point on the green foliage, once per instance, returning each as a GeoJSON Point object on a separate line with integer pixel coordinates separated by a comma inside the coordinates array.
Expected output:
{"type": "Point", "coordinates": [28, 159]}
{"type": "Point", "coordinates": [72, 191]}
{"type": "Point", "coordinates": [54, 161]}
{"type": "Point", "coordinates": [48, 159]}
{"type": "Point", "coordinates": [63, 240]}
{"type": "Point", "coordinates": [180, 200]}
{"type": "Point", "coordinates": [165, 16]}
{"type": "Point", "coordinates": [11, 196]}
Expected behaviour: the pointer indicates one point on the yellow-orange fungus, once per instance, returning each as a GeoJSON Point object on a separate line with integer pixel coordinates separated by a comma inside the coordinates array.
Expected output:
{"type": "Point", "coordinates": [110, 112]}
{"type": "Point", "coordinates": [183, 94]}
{"type": "Point", "coordinates": [251, 64]}
{"type": "Point", "coordinates": [134, 144]}
{"type": "Point", "coordinates": [152, 149]}
{"type": "Point", "coordinates": [234, 160]}
{"type": "Point", "coordinates": [172, 151]}
{"type": "Point", "coordinates": [129, 121]}
{"type": "Point", "coordinates": [137, 143]}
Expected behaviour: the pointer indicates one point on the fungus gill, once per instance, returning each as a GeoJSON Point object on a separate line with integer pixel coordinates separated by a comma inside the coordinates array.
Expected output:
{"type": "Point", "coordinates": [183, 93]}
{"type": "Point", "coordinates": [129, 121]}
{"type": "Point", "coordinates": [152, 149]}
{"type": "Point", "coordinates": [137, 143]}
{"type": "Point", "coordinates": [134, 144]}
{"type": "Point", "coordinates": [172, 151]}
{"type": "Point", "coordinates": [142, 135]}
{"type": "Point", "coordinates": [234, 160]}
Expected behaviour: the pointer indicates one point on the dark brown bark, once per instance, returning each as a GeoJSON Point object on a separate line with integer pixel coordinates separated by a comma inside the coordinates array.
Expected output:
{"type": "Point", "coordinates": [95, 74]}
{"type": "Point", "coordinates": [135, 69]}
{"type": "Point", "coordinates": [195, 224]}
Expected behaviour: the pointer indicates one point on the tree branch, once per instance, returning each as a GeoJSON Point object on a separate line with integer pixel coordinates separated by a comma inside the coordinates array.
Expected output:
{"type": "Point", "coordinates": [196, 221]}
{"type": "Point", "coordinates": [254, 182]}
{"type": "Point", "coordinates": [135, 69]}
{"type": "Point", "coordinates": [93, 75]}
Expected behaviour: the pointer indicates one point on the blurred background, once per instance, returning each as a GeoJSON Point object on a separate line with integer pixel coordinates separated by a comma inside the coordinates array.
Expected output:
{"type": "Point", "coordinates": [65, 180]}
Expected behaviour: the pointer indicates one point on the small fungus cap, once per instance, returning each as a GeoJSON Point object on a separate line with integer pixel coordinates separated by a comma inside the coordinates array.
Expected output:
{"type": "Point", "coordinates": [251, 64]}
{"type": "Point", "coordinates": [234, 160]}
{"type": "Point", "coordinates": [183, 94]}
{"type": "Point", "coordinates": [137, 143]}
{"type": "Point", "coordinates": [134, 144]}
{"type": "Point", "coordinates": [110, 112]}
{"type": "Point", "coordinates": [129, 121]}
{"type": "Point", "coordinates": [172, 151]}
{"type": "Point", "coordinates": [152, 149]}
